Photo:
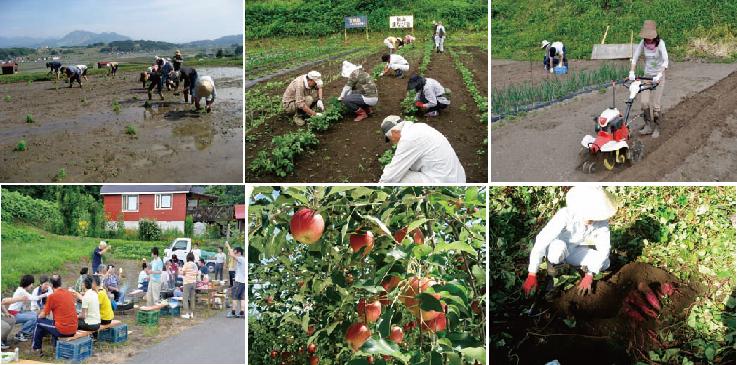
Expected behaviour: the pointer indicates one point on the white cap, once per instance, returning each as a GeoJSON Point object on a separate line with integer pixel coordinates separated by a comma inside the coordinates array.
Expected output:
{"type": "Point", "coordinates": [544, 44]}
{"type": "Point", "coordinates": [314, 75]}
{"type": "Point", "coordinates": [591, 203]}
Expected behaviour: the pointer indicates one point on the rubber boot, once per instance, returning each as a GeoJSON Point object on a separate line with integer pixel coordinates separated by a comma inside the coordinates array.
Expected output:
{"type": "Point", "coordinates": [399, 74]}
{"type": "Point", "coordinates": [360, 115]}
{"type": "Point", "coordinates": [656, 124]}
{"type": "Point", "coordinates": [647, 128]}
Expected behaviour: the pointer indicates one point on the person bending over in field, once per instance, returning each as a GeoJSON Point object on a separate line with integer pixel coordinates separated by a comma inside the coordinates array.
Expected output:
{"type": "Point", "coordinates": [578, 234]}
{"type": "Point", "coordinates": [393, 43]}
{"type": "Point", "coordinates": [61, 304]}
{"type": "Point", "coordinates": [154, 79]}
{"type": "Point", "coordinates": [204, 87]}
{"type": "Point", "coordinates": [55, 67]}
{"type": "Point", "coordinates": [431, 97]}
{"type": "Point", "coordinates": [112, 68]}
{"type": "Point", "coordinates": [73, 73]}
{"type": "Point", "coordinates": [83, 71]}
{"type": "Point", "coordinates": [188, 75]}
{"type": "Point", "coordinates": [303, 96]}
{"type": "Point", "coordinates": [359, 93]}
{"type": "Point", "coordinates": [555, 55]}
{"type": "Point", "coordinates": [395, 63]}
{"type": "Point", "coordinates": [423, 154]}
{"type": "Point", "coordinates": [409, 39]}
{"type": "Point", "coordinates": [652, 48]}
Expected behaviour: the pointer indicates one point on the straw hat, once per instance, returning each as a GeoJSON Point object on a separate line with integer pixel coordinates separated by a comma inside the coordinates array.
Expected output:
{"type": "Point", "coordinates": [591, 203]}
{"type": "Point", "coordinates": [314, 75]}
{"type": "Point", "coordinates": [178, 53]}
{"type": "Point", "coordinates": [649, 30]}
{"type": "Point", "coordinates": [205, 88]}
{"type": "Point", "coordinates": [544, 44]}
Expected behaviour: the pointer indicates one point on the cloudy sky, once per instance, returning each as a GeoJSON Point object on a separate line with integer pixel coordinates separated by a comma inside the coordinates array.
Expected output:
{"type": "Point", "coordinates": [175, 21]}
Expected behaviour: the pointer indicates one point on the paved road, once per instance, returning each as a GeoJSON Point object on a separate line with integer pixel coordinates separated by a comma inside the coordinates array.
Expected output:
{"type": "Point", "coordinates": [218, 340]}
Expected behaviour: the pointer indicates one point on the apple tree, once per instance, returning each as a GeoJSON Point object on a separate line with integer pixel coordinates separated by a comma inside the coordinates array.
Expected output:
{"type": "Point", "coordinates": [359, 275]}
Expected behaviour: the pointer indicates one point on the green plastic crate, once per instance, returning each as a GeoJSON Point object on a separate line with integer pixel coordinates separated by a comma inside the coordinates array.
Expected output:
{"type": "Point", "coordinates": [149, 318]}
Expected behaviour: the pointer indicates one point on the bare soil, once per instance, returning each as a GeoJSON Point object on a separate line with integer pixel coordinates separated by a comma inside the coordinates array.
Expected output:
{"type": "Point", "coordinates": [696, 142]}
{"type": "Point", "coordinates": [77, 130]}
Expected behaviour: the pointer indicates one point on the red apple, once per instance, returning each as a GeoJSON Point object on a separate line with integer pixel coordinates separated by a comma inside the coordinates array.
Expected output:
{"type": "Point", "coordinates": [390, 282]}
{"type": "Point", "coordinates": [274, 354]}
{"type": "Point", "coordinates": [370, 360]}
{"type": "Point", "coordinates": [436, 325]}
{"type": "Point", "coordinates": [415, 287]}
{"type": "Point", "coordinates": [396, 334]}
{"type": "Point", "coordinates": [314, 360]}
{"type": "Point", "coordinates": [399, 235]}
{"type": "Point", "coordinates": [357, 335]}
{"type": "Point", "coordinates": [310, 330]}
{"type": "Point", "coordinates": [311, 348]}
{"type": "Point", "coordinates": [409, 326]}
{"type": "Point", "coordinates": [358, 241]}
{"type": "Point", "coordinates": [370, 311]}
{"type": "Point", "coordinates": [307, 226]}
{"type": "Point", "coordinates": [269, 300]}
{"type": "Point", "coordinates": [417, 237]}
{"type": "Point", "coordinates": [476, 307]}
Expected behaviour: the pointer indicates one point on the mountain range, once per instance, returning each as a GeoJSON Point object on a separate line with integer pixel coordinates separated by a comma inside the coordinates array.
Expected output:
{"type": "Point", "coordinates": [83, 38]}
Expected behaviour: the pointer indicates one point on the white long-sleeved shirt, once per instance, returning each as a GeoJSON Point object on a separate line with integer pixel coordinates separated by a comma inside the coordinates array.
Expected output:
{"type": "Point", "coordinates": [572, 230]}
{"type": "Point", "coordinates": [82, 68]}
{"type": "Point", "coordinates": [22, 293]}
{"type": "Point", "coordinates": [425, 150]}
{"type": "Point", "coordinates": [656, 61]}
{"type": "Point", "coordinates": [433, 92]}
{"type": "Point", "coordinates": [395, 59]}
{"type": "Point", "coordinates": [438, 32]}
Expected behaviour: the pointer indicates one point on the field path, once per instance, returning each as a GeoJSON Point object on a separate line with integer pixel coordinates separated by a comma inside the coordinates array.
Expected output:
{"type": "Point", "coordinates": [218, 340]}
{"type": "Point", "coordinates": [544, 145]}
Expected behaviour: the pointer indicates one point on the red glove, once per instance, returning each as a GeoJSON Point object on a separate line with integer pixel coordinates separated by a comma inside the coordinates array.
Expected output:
{"type": "Point", "coordinates": [419, 104]}
{"type": "Point", "coordinates": [530, 284]}
{"type": "Point", "coordinates": [584, 287]}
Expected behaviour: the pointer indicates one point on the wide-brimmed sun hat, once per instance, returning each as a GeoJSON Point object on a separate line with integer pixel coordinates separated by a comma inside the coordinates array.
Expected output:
{"type": "Point", "coordinates": [205, 88]}
{"type": "Point", "coordinates": [591, 203]}
{"type": "Point", "coordinates": [649, 30]}
{"type": "Point", "coordinates": [544, 44]}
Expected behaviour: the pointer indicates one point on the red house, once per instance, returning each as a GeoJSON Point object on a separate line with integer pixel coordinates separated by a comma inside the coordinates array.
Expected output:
{"type": "Point", "coordinates": [168, 205]}
{"type": "Point", "coordinates": [240, 216]}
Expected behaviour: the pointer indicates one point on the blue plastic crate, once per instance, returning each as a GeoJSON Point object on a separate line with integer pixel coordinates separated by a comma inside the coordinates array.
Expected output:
{"type": "Point", "coordinates": [115, 334]}
{"type": "Point", "coordinates": [560, 70]}
{"type": "Point", "coordinates": [169, 311]}
{"type": "Point", "coordinates": [75, 350]}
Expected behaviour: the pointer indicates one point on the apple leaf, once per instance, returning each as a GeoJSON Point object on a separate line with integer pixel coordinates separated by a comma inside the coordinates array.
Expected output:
{"type": "Point", "coordinates": [455, 246]}
{"type": "Point", "coordinates": [396, 254]}
{"type": "Point", "coordinates": [472, 196]}
{"type": "Point", "coordinates": [453, 289]}
{"type": "Point", "coordinates": [429, 303]}
{"type": "Point", "coordinates": [358, 361]}
{"type": "Point", "coordinates": [475, 353]}
{"type": "Point", "coordinates": [453, 358]}
{"type": "Point", "coordinates": [381, 347]}
{"type": "Point", "coordinates": [385, 322]}
{"type": "Point", "coordinates": [305, 321]}
{"type": "Point", "coordinates": [338, 189]}
{"type": "Point", "coordinates": [412, 226]}
{"type": "Point", "coordinates": [420, 251]}
{"type": "Point", "coordinates": [370, 288]}
{"type": "Point", "coordinates": [436, 358]}
{"type": "Point", "coordinates": [378, 223]}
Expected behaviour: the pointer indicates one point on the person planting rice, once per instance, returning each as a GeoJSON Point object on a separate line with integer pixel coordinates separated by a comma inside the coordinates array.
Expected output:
{"type": "Point", "coordinates": [439, 37]}
{"type": "Point", "coordinates": [154, 78]}
{"type": "Point", "coordinates": [555, 55]}
{"type": "Point", "coordinates": [302, 95]}
{"type": "Point", "coordinates": [204, 88]}
{"type": "Point", "coordinates": [656, 62]}
{"type": "Point", "coordinates": [166, 72]}
{"type": "Point", "coordinates": [73, 73]}
{"type": "Point", "coordinates": [431, 95]}
{"type": "Point", "coordinates": [393, 43]}
{"type": "Point", "coordinates": [55, 67]}
{"type": "Point", "coordinates": [359, 93]}
{"type": "Point", "coordinates": [578, 234]}
{"type": "Point", "coordinates": [423, 154]}
{"type": "Point", "coordinates": [112, 68]}
{"type": "Point", "coordinates": [395, 63]}
{"type": "Point", "coordinates": [188, 76]}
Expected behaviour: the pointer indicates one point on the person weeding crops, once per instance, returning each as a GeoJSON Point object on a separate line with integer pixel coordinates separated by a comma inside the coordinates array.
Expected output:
{"type": "Point", "coordinates": [177, 60]}
{"type": "Point", "coordinates": [396, 63]}
{"type": "Point", "coordinates": [302, 96]}
{"type": "Point", "coordinates": [393, 43]}
{"type": "Point", "coordinates": [439, 37]}
{"type": "Point", "coordinates": [578, 234]}
{"type": "Point", "coordinates": [61, 304]}
{"type": "Point", "coordinates": [656, 62]}
{"type": "Point", "coordinates": [204, 87]}
{"type": "Point", "coordinates": [431, 96]}
{"type": "Point", "coordinates": [409, 39]}
{"type": "Point", "coordinates": [423, 154]}
{"type": "Point", "coordinates": [359, 93]}
{"type": "Point", "coordinates": [55, 67]}
{"type": "Point", "coordinates": [555, 55]}
{"type": "Point", "coordinates": [73, 73]}
{"type": "Point", "coordinates": [188, 75]}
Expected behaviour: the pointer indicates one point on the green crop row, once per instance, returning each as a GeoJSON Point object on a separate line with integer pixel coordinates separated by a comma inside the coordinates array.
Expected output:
{"type": "Point", "coordinates": [285, 149]}
{"type": "Point", "coordinates": [482, 102]}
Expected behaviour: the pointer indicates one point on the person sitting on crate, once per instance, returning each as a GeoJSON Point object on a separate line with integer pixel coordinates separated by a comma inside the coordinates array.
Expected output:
{"type": "Point", "coordinates": [431, 96]}
{"type": "Point", "coordinates": [359, 93]}
{"type": "Point", "coordinates": [578, 234]}
{"type": "Point", "coordinates": [395, 63]}
{"type": "Point", "coordinates": [423, 154]}
{"type": "Point", "coordinates": [143, 278]}
{"type": "Point", "coordinates": [555, 53]}
{"type": "Point", "coordinates": [89, 317]}
{"type": "Point", "coordinates": [112, 282]}
{"type": "Point", "coordinates": [61, 304]}
{"type": "Point", "coordinates": [302, 96]}
{"type": "Point", "coordinates": [106, 307]}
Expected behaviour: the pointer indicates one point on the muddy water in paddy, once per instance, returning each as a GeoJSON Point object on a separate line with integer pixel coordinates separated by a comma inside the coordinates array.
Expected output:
{"type": "Point", "coordinates": [77, 130]}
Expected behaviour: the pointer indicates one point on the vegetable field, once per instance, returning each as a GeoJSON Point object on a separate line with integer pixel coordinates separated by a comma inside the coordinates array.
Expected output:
{"type": "Point", "coordinates": [356, 275]}
{"type": "Point", "coordinates": [678, 241]}
{"type": "Point", "coordinates": [334, 148]}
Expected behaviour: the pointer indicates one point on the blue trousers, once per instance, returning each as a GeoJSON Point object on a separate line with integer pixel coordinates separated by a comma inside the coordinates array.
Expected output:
{"type": "Point", "coordinates": [46, 327]}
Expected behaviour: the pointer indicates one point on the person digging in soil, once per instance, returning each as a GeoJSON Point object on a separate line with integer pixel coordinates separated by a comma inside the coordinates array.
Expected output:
{"type": "Point", "coordinates": [423, 154]}
{"type": "Point", "coordinates": [555, 55]}
{"type": "Point", "coordinates": [569, 236]}
{"type": "Point", "coordinates": [360, 92]}
{"type": "Point", "coordinates": [73, 73]}
{"type": "Point", "coordinates": [431, 96]}
{"type": "Point", "coordinates": [204, 87]}
{"type": "Point", "coordinates": [396, 64]}
{"type": "Point", "coordinates": [303, 96]}
{"type": "Point", "coordinates": [656, 62]}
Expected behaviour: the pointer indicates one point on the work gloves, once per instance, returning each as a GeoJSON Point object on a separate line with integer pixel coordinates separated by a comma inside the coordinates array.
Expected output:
{"type": "Point", "coordinates": [530, 284]}
{"type": "Point", "coordinates": [632, 76]}
{"type": "Point", "coordinates": [584, 287]}
{"type": "Point", "coordinates": [420, 105]}
{"type": "Point", "coordinates": [657, 77]}
{"type": "Point", "coordinates": [321, 105]}
{"type": "Point", "coordinates": [643, 303]}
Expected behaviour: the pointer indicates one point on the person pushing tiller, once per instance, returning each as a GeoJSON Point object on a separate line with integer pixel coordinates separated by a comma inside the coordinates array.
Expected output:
{"type": "Point", "coordinates": [578, 234]}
